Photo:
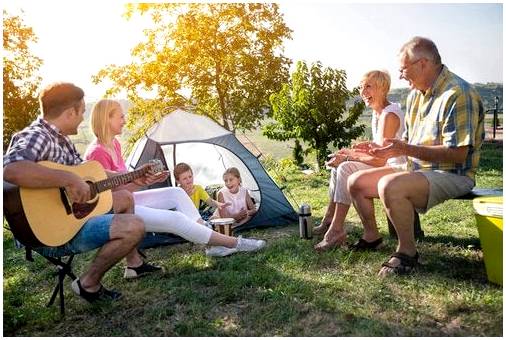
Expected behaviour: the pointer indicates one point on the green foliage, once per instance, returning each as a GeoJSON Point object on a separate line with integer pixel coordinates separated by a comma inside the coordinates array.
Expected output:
{"type": "Point", "coordinates": [286, 289]}
{"type": "Point", "coordinates": [228, 55]}
{"type": "Point", "coordinates": [312, 107]}
{"type": "Point", "coordinates": [20, 79]}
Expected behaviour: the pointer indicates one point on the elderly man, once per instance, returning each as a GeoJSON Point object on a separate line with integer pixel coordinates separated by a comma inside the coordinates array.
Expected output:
{"type": "Point", "coordinates": [443, 136]}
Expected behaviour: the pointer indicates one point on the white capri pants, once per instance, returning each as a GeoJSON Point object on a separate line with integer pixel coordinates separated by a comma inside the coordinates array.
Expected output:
{"type": "Point", "coordinates": [153, 207]}
{"type": "Point", "coordinates": [338, 184]}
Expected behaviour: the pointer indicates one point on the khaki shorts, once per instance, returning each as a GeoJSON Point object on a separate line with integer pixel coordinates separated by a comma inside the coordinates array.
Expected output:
{"type": "Point", "coordinates": [444, 186]}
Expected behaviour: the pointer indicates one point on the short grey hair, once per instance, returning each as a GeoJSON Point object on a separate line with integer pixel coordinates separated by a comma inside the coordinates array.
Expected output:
{"type": "Point", "coordinates": [419, 47]}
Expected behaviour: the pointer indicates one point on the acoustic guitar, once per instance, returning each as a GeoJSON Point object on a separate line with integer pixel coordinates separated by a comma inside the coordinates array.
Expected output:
{"type": "Point", "coordinates": [47, 217]}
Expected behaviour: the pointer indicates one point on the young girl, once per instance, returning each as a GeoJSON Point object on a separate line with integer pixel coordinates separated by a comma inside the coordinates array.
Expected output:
{"type": "Point", "coordinates": [183, 174]}
{"type": "Point", "coordinates": [107, 120]}
{"type": "Point", "coordinates": [240, 205]}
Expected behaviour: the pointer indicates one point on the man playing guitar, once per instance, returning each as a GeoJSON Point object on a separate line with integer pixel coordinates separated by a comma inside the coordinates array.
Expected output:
{"type": "Point", "coordinates": [46, 139]}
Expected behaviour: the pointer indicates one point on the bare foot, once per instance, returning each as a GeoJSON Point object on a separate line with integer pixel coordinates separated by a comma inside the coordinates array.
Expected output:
{"type": "Point", "coordinates": [322, 228]}
{"type": "Point", "coordinates": [331, 241]}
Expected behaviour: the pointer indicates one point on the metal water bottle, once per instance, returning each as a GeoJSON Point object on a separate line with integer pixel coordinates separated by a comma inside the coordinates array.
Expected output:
{"type": "Point", "coordinates": [305, 221]}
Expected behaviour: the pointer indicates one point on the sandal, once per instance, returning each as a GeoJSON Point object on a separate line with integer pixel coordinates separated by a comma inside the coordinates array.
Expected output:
{"type": "Point", "coordinates": [103, 294]}
{"type": "Point", "coordinates": [365, 245]}
{"type": "Point", "coordinates": [407, 264]}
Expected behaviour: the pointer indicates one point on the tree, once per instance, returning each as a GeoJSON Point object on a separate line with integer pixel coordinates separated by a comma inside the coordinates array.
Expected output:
{"type": "Point", "coordinates": [313, 107]}
{"type": "Point", "coordinates": [21, 81]}
{"type": "Point", "coordinates": [228, 55]}
{"type": "Point", "coordinates": [298, 153]}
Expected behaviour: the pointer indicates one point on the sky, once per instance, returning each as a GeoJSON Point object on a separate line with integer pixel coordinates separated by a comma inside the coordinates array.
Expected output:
{"type": "Point", "coordinates": [78, 38]}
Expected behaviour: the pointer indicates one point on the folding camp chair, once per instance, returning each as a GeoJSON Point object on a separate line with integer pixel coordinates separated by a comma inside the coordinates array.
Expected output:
{"type": "Point", "coordinates": [14, 215]}
{"type": "Point", "coordinates": [63, 266]}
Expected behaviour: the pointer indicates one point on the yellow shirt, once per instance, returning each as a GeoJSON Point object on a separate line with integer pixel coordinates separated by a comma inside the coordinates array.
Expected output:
{"type": "Point", "coordinates": [449, 113]}
{"type": "Point", "coordinates": [199, 194]}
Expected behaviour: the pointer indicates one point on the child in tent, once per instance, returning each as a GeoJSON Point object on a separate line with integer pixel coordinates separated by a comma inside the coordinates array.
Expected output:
{"type": "Point", "coordinates": [240, 205]}
{"type": "Point", "coordinates": [155, 206]}
{"type": "Point", "coordinates": [183, 174]}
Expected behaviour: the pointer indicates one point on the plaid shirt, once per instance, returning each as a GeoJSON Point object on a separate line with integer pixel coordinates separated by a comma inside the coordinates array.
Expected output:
{"type": "Point", "coordinates": [450, 113]}
{"type": "Point", "coordinates": [41, 141]}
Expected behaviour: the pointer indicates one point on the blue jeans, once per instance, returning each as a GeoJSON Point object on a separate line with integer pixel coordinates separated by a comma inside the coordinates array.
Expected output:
{"type": "Point", "coordinates": [93, 234]}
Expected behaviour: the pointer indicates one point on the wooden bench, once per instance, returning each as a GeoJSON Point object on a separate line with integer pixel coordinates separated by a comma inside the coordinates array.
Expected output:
{"type": "Point", "coordinates": [419, 234]}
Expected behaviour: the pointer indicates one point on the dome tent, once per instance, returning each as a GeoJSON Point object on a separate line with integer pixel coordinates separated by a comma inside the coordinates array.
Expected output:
{"type": "Point", "coordinates": [209, 149]}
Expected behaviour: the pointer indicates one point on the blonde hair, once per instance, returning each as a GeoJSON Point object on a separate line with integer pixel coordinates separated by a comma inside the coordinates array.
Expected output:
{"type": "Point", "coordinates": [380, 78]}
{"type": "Point", "coordinates": [181, 168]}
{"type": "Point", "coordinates": [100, 115]}
{"type": "Point", "coordinates": [234, 172]}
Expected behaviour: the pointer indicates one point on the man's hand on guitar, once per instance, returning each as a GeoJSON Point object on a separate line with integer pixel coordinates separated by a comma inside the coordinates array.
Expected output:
{"type": "Point", "coordinates": [77, 190]}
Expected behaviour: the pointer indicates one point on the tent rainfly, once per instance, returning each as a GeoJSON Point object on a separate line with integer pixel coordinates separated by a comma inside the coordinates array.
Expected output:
{"type": "Point", "coordinates": [209, 149]}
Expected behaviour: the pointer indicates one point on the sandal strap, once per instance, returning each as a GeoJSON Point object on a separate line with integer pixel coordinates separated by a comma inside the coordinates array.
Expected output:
{"type": "Point", "coordinates": [406, 259]}
{"type": "Point", "coordinates": [406, 263]}
{"type": "Point", "coordinates": [363, 244]}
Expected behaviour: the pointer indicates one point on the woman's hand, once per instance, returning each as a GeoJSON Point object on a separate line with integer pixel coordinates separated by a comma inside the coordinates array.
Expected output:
{"type": "Point", "coordinates": [364, 146]}
{"type": "Point", "coordinates": [150, 177]}
{"type": "Point", "coordinates": [336, 159]}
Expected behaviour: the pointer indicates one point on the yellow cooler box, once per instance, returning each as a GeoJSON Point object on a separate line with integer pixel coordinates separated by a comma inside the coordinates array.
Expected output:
{"type": "Point", "coordinates": [489, 221]}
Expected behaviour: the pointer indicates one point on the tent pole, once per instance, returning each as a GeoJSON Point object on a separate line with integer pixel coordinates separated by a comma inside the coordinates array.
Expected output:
{"type": "Point", "coordinates": [174, 157]}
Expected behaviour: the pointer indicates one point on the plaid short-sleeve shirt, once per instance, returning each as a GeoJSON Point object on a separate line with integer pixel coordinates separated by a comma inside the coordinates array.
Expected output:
{"type": "Point", "coordinates": [450, 113]}
{"type": "Point", "coordinates": [41, 141]}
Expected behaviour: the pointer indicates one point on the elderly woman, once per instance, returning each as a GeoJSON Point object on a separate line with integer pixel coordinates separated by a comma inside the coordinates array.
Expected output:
{"type": "Point", "coordinates": [387, 122]}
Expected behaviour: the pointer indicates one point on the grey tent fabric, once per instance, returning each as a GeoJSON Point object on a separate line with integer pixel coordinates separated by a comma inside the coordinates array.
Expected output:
{"type": "Point", "coordinates": [209, 149]}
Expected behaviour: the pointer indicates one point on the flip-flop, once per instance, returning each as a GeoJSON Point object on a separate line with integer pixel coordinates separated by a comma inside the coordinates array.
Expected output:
{"type": "Point", "coordinates": [365, 245]}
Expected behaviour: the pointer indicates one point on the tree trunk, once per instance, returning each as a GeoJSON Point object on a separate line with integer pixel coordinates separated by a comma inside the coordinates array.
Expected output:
{"type": "Point", "coordinates": [321, 156]}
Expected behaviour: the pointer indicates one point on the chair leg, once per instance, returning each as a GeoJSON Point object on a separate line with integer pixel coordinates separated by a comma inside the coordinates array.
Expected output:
{"type": "Point", "coordinates": [64, 269]}
{"type": "Point", "coordinates": [61, 278]}
{"type": "Point", "coordinates": [419, 234]}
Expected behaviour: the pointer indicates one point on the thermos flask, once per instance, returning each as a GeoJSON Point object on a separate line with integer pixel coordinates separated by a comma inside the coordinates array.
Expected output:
{"type": "Point", "coordinates": [305, 221]}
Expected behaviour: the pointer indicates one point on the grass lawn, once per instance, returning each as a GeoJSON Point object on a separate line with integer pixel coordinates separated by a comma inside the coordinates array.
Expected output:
{"type": "Point", "coordinates": [286, 289]}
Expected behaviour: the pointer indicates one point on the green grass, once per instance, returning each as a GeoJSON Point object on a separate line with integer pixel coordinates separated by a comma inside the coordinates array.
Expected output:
{"type": "Point", "coordinates": [286, 289]}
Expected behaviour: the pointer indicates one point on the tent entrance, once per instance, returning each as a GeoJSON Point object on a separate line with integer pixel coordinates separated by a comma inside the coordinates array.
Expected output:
{"type": "Point", "coordinates": [209, 162]}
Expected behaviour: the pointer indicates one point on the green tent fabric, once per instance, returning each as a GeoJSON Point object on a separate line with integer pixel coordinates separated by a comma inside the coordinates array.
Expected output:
{"type": "Point", "coordinates": [209, 149]}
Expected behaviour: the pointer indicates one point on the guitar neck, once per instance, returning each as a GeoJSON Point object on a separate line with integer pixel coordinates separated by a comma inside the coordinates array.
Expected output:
{"type": "Point", "coordinates": [116, 181]}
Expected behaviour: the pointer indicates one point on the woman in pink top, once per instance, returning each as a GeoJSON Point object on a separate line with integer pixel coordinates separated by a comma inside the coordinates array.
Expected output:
{"type": "Point", "coordinates": [107, 121]}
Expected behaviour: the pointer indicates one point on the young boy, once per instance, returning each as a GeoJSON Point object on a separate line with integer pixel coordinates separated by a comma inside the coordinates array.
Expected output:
{"type": "Point", "coordinates": [184, 178]}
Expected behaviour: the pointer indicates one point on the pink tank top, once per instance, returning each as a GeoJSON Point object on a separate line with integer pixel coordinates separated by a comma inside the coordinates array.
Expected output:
{"type": "Point", "coordinates": [98, 152]}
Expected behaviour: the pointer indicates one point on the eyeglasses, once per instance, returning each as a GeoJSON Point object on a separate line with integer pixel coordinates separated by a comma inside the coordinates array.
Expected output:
{"type": "Point", "coordinates": [402, 70]}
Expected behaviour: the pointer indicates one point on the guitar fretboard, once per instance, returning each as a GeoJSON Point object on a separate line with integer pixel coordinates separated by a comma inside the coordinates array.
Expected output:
{"type": "Point", "coordinates": [116, 181]}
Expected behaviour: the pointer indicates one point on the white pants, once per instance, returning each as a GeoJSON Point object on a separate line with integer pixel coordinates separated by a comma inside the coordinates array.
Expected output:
{"type": "Point", "coordinates": [152, 206]}
{"type": "Point", "coordinates": [338, 184]}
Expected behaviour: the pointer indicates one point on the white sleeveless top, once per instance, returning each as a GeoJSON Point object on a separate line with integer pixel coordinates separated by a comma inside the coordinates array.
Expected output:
{"type": "Point", "coordinates": [237, 200]}
{"type": "Point", "coordinates": [394, 108]}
